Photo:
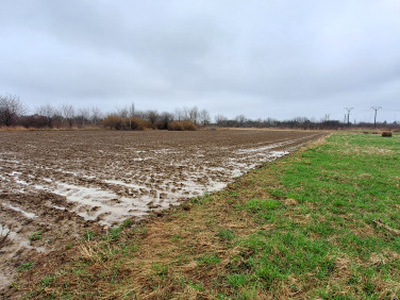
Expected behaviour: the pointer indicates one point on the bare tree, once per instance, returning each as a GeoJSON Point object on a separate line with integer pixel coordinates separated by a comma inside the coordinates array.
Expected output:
{"type": "Point", "coordinates": [68, 112]}
{"type": "Point", "coordinates": [11, 108]}
{"type": "Point", "coordinates": [193, 114]}
{"type": "Point", "coordinates": [153, 117]}
{"type": "Point", "coordinates": [300, 120]}
{"type": "Point", "coordinates": [83, 115]}
{"type": "Point", "coordinates": [96, 115]}
{"type": "Point", "coordinates": [241, 119]}
{"type": "Point", "coordinates": [220, 120]}
{"type": "Point", "coordinates": [123, 112]}
{"type": "Point", "coordinates": [204, 117]}
{"type": "Point", "coordinates": [179, 114]}
{"type": "Point", "coordinates": [165, 119]}
{"type": "Point", "coordinates": [140, 114]}
{"type": "Point", "coordinates": [47, 111]}
{"type": "Point", "coordinates": [270, 121]}
{"type": "Point", "coordinates": [376, 108]}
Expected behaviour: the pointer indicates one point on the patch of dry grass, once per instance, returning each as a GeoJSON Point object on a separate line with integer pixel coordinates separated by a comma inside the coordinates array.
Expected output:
{"type": "Point", "coordinates": [21, 128]}
{"type": "Point", "coordinates": [14, 129]}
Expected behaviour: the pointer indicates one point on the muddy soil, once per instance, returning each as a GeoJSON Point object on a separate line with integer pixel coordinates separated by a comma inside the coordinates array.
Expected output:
{"type": "Point", "coordinates": [55, 186]}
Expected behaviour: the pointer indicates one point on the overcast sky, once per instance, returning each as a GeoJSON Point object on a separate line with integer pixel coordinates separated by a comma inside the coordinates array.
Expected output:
{"type": "Point", "coordinates": [279, 59]}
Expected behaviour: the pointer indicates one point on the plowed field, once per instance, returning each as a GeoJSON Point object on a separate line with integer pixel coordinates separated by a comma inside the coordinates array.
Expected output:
{"type": "Point", "coordinates": [55, 186]}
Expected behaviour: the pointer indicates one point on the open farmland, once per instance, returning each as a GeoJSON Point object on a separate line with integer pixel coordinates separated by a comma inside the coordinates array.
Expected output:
{"type": "Point", "coordinates": [58, 185]}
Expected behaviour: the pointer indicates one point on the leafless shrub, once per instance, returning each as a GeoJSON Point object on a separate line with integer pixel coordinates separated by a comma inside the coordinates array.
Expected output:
{"type": "Point", "coordinates": [176, 126]}
{"type": "Point", "coordinates": [153, 117]}
{"type": "Point", "coordinates": [138, 124]}
{"type": "Point", "coordinates": [181, 126]}
{"type": "Point", "coordinates": [34, 121]}
{"type": "Point", "coordinates": [113, 122]}
{"type": "Point", "coordinates": [189, 125]}
{"type": "Point", "coordinates": [164, 120]}
{"type": "Point", "coordinates": [118, 123]}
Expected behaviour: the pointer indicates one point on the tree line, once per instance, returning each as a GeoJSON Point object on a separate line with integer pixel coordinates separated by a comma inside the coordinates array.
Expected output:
{"type": "Point", "coordinates": [14, 113]}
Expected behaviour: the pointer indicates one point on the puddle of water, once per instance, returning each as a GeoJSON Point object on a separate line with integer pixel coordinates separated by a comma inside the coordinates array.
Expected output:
{"type": "Point", "coordinates": [18, 240]}
{"type": "Point", "coordinates": [256, 150]}
{"type": "Point", "coordinates": [94, 203]}
{"type": "Point", "coordinates": [26, 214]}
{"type": "Point", "coordinates": [131, 185]}
{"type": "Point", "coordinates": [4, 178]}
{"type": "Point", "coordinates": [236, 173]}
{"type": "Point", "coordinates": [277, 154]}
{"type": "Point", "coordinates": [141, 159]}
{"type": "Point", "coordinates": [20, 181]}
{"type": "Point", "coordinates": [4, 231]}
{"type": "Point", "coordinates": [15, 173]}
{"type": "Point", "coordinates": [59, 207]}
{"type": "Point", "coordinates": [217, 186]}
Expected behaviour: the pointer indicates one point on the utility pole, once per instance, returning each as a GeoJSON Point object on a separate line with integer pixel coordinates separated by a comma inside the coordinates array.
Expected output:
{"type": "Point", "coordinates": [348, 109]}
{"type": "Point", "coordinates": [376, 108]}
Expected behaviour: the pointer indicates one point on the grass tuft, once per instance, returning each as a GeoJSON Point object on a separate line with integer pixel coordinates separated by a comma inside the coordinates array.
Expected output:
{"type": "Point", "coordinates": [35, 236]}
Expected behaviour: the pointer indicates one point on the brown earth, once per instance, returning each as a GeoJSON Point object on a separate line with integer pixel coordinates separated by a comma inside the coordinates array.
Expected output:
{"type": "Point", "coordinates": [55, 186]}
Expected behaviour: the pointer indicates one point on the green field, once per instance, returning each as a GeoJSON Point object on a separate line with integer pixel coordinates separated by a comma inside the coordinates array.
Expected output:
{"type": "Point", "coordinates": [321, 223]}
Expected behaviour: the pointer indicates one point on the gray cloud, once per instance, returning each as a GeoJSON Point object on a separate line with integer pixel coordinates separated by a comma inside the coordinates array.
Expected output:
{"type": "Point", "coordinates": [258, 58]}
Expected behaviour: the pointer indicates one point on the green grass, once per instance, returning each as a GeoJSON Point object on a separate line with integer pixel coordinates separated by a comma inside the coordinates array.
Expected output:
{"type": "Point", "coordinates": [89, 235]}
{"type": "Point", "coordinates": [323, 223]}
{"type": "Point", "coordinates": [26, 266]}
{"type": "Point", "coordinates": [35, 236]}
{"type": "Point", "coordinates": [208, 259]}
{"type": "Point", "coordinates": [343, 189]}
{"type": "Point", "coordinates": [226, 234]}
